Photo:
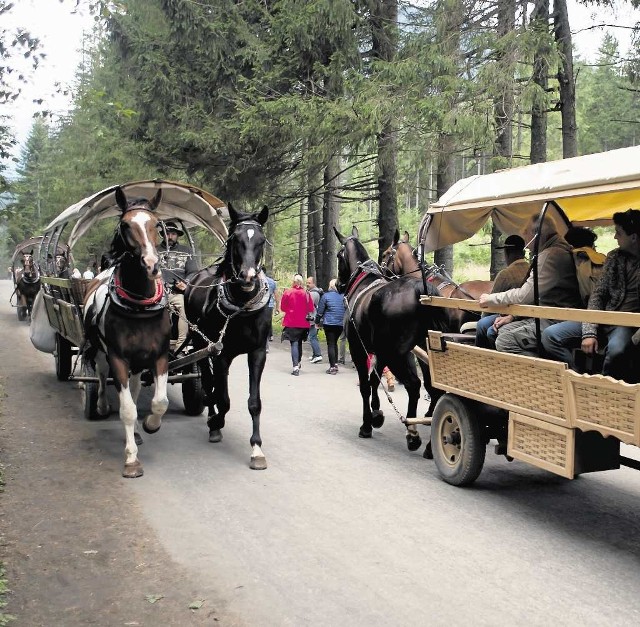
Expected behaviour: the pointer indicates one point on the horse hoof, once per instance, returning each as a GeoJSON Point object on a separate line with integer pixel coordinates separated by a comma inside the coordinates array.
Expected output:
{"type": "Point", "coordinates": [215, 435]}
{"type": "Point", "coordinates": [147, 429]}
{"type": "Point", "coordinates": [363, 433]}
{"type": "Point", "coordinates": [258, 463]}
{"type": "Point", "coordinates": [133, 470]}
{"type": "Point", "coordinates": [414, 442]}
{"type": "Point", "coordinates": [138, 438]}
{"type": "Point", "coordinates": [377, 419]}
{"type": "Point", "coordinates": [428, 453]}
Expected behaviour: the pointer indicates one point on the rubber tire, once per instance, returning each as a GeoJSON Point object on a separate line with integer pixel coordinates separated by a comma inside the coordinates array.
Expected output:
{"type": "Point", "coordinates": [466, 468]}
{"type": "Point", "coordinates": [22, 313]}
{"type": "Point", "coordinates": [63, 357]}
{"type": "Point", "coordinates": [192, 393]}
{"type": "Point", "coordinates": [90, 394]}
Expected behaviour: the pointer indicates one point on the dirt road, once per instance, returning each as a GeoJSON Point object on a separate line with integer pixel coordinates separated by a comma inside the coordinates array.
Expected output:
{"type": "Point", "coordinates": [77, 548]}
{"type": "Point", "coordinates": [337, 531]}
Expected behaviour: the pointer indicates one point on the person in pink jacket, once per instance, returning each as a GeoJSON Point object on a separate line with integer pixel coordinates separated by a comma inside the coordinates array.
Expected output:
{"type": "Point", "coordinates": [297, 306]}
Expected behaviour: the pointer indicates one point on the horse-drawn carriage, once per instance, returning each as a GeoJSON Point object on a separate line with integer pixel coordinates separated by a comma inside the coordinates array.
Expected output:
{"type": "Point", "coordinates": [538, 410]}
{"type": "Point", "coordinates": [26, 275]}
{"type": "Point", "coordinates": [64, 295]}
{"type": "Point", "coordinates": [119, 323]}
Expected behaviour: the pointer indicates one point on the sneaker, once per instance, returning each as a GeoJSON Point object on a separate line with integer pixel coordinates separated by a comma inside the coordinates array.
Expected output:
{"type": "Point", "coordinates": [341, 361]}
{"type": "Point", "coordinates": [296, 371]}
{"type": "Point", "coordinates": [316, 360]}
{"type": "Point", "coordinates": [333, 370]}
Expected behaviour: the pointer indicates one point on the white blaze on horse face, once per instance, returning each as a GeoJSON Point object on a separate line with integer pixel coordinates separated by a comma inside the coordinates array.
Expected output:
{"type": "Point", "coordinates": [148, 255]}
{"type": "Point", "coordinates": [250, 233]}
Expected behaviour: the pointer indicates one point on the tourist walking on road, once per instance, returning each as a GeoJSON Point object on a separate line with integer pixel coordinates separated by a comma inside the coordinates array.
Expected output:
{"type": "Point", "coordinates": [316, 294]}
{"type": "Point", "coordinates": [331, 316]}
{"type": "Point", "coordinates": [298, 309]}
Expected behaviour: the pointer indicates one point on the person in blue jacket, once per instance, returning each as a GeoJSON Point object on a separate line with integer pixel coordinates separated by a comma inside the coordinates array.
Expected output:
{"type": "Point", "coordinates": [331, 317]}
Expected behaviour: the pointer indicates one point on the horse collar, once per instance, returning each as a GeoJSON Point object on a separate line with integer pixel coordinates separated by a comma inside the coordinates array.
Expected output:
{"type": "Point", "coordinates": [131, 303]}
{"type": "Point", "coordinates": [359, 278]}
{"type": "Point", "coordinates": [226, 305]}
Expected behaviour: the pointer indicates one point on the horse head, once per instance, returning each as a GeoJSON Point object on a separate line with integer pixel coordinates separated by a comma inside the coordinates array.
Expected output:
{"type": "Point", "coordinates": [29, 268]}
{"type": "Point", "coordinates": [394, 260]}
{"type": "Point", "coordinates": [245, 246]}
{"type": "Point", "coordinates": [137, 233]}
{"type": "Point", "coordinates": [350, 258]}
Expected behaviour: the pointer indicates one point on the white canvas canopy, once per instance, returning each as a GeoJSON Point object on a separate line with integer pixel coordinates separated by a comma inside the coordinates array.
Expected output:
{"type": "Point", "coordinates": [589, 189]}
{"type": "Point", "coordinates": [191, 205]}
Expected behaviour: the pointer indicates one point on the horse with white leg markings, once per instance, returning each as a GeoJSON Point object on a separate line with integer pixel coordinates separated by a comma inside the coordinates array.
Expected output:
{"type": "Point", "coordinates": [127, 323]}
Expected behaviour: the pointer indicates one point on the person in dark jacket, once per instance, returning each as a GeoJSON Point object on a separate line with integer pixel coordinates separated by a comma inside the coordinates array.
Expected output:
{"type": "Point", "coordinates": [331, 317]}
{"type": "Point", "coordinates": [618, 290]}
{"type": "Point", "coordinates": [176, 263]}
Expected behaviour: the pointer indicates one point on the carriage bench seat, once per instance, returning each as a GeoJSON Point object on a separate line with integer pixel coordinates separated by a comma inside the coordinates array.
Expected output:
{"type": "Point", "coordinates": [459, 338]}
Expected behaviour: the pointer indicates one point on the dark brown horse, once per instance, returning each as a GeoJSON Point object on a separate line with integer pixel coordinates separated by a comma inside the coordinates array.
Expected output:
{"type": "Point", "coordinates": [27, 282]}
{"type": "Point", "coordinates": [384, 318]}
{"type": "Point", "coordinates": [399, 260]}
{"type": "Point", "coordinates": [127, 323]}
{"type": "Point", "coordinates": [228, 303]}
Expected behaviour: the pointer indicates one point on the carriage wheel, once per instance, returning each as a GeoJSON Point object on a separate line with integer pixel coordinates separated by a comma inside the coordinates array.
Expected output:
{"type": "Point", "coordinates": [456, 439]}
{"type": "Point", "coordinates": [90, 393]}
{"type": "Point", "coordinates": [192, 394]}
{"type": "Point", "coordinates": [63, 357]}
{"type": "Point", "coordinates": [22, 313]}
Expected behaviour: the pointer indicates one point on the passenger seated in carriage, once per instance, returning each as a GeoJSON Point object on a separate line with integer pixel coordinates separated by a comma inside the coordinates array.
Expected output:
{"type": "Point", "coordinates": [508, 278]}
{"type": "Point", "coordinates": [176, 263]}
{"type": "Point", "coordinates": [617, 290]}
{"type": "Point", "coordinates": [557, 287]}
{"type": "Point", "coordinates": [561, 340]}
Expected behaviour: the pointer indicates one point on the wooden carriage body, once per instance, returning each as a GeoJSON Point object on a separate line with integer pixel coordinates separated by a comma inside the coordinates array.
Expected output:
{"type": "Point", "coordinates": [553, 417]}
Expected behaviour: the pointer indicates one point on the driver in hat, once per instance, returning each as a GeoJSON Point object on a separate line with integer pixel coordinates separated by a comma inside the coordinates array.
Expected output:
{"type": "Point", "coordinates": [176, 263]}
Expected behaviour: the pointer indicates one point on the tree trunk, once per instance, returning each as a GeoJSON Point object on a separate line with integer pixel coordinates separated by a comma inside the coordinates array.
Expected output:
{"type": "Point", "coordinates": [384, 36]}
{"type": "Point", "coordinates": [302, 239]}
{"type": "Point", "coordinates": [566, 79]}
{"type": "Point", "coordinates": [387, 190]}
{"type": "Point", "coordinates": [269, 231]}
{"type": "Point", "coordinates": [540, 23]}
{"type": "Point", "coordinates": [444, 180]}
{"type": "Point", "coordinates": [327, 263]}
{"type": "Point", "coordinates": [314, 223]}
{"type": "Point", "coordinates": [503, 115]}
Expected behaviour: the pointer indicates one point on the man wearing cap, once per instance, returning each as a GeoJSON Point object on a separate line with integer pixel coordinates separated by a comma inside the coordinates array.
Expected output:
{"type": "Point", "coordinates": [511, 276]}
{"type": "Point", "coordinates": [176, 263]}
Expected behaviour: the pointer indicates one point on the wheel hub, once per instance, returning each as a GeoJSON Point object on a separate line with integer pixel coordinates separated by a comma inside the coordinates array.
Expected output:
{"type": "Point", "coordinates": [451, 439]}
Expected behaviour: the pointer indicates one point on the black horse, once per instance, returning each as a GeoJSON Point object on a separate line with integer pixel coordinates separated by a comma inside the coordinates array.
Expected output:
{"type": "Point", "coordinates": [228, 303]}
{"type": "Point", "coordinates": [27, 281]}
{"type": "Point", "coordinates": [385, 318]}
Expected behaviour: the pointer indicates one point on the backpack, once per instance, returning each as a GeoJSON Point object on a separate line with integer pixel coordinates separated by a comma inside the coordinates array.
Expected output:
{"type": "Point", "coordinates": [589, 266]}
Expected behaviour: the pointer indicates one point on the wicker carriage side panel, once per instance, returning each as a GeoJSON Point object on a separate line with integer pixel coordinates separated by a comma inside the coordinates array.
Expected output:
{"type": "Point", "coordinates": [541, 444]}
{"type": "Point", "coordinates": [526, 385]}
{"type": "Point", "coordinates": [79, 290]}
{"type": "Point", "coordinates": [605, 405]}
